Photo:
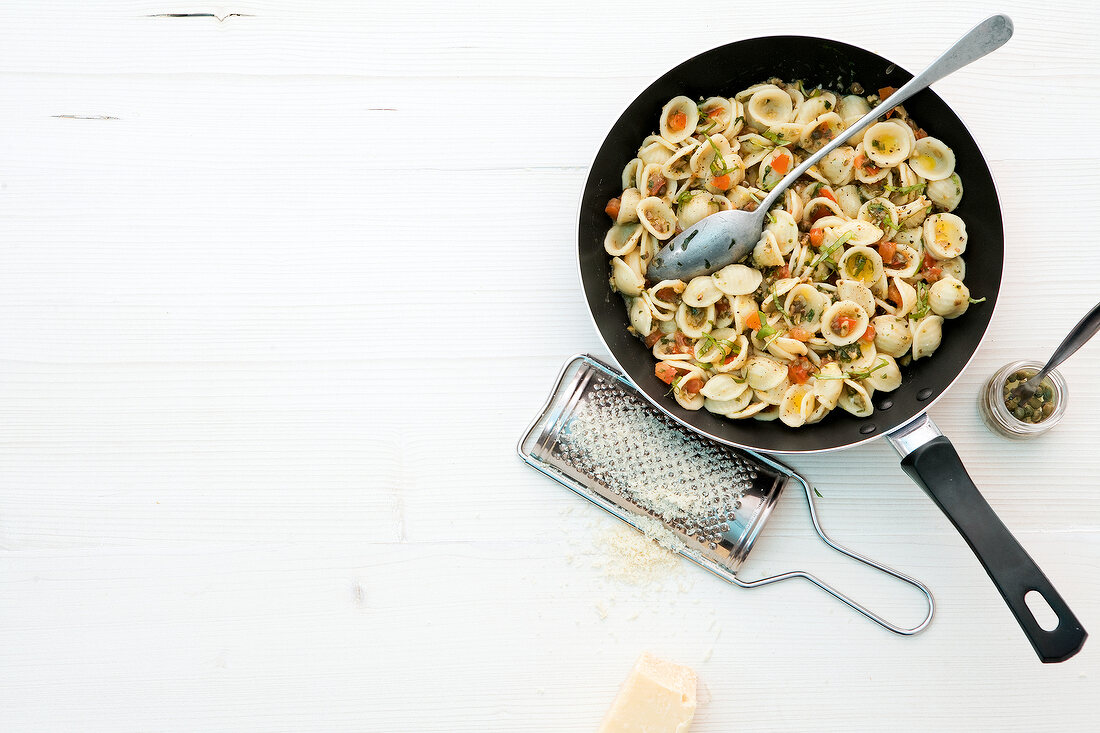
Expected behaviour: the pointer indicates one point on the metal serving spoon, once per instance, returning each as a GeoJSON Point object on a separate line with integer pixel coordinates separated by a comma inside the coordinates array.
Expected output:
{"type": "Point", "coordinates": [727, 236]}
{"type": "Point", "coordinates": [1085, 329]}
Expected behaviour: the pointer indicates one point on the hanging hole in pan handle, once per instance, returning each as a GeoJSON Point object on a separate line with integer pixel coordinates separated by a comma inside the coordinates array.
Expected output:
{"type": "Point", "coordinates": [807, 490]}
{"type": "Point", "coordinates": [1041, 610]}
{"type": "Point", "coordinates": [934, 464]}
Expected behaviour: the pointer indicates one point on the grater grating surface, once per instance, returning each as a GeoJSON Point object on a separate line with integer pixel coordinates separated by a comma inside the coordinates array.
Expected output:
{"type": "Point", "coordinates": [605, 435]}
{"type": "Point", "coordinates": [599, 437]}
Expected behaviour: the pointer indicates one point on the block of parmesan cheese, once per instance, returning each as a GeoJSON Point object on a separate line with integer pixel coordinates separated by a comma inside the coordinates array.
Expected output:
{"type": "Point", "coordinates": [657, 697]}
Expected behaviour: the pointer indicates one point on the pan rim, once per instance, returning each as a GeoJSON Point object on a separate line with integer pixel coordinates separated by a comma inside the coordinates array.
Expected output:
{"type": "Point", "coordinates": [708, 434]}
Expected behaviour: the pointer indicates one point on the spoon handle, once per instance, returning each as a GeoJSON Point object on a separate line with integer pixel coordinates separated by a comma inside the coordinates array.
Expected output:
{"type": "Point", "coordinates": [1085, 329]}
{"type": "Point", "coordinates": [984, 38]}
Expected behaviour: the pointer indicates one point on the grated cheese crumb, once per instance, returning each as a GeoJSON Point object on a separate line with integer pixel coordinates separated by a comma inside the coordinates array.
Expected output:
{"type": "Point", "coordinates": [639, 559]}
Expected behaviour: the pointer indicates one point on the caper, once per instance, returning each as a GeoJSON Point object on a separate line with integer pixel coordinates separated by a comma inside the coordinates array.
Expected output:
{"type": "Point", "coordinates": [1019, 376]}
{"type": "Point", "coordinates": [1035, 403]}
{"type": "Point", "coordinates": [1048, 409]}
{"type": "Point", "coordinates": [1020, 413]}
{"type": "Point", "coordinates": [1048, 393]}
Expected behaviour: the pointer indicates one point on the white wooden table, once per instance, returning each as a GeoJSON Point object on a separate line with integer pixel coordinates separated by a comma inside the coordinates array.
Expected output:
{"type": "Point", "coordinates": [281, 285]}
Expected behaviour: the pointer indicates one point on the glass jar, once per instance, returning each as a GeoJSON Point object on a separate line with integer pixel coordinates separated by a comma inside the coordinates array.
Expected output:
{"type": "Point", "coordinates": [991, 403]}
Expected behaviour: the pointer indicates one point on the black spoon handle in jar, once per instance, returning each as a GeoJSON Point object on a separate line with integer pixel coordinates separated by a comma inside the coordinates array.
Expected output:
{"type": "Point", "coordinates": [1085, 329]}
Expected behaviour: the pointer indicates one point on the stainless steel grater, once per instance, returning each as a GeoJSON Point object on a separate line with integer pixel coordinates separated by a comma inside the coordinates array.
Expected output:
{"type": "Point", "coordinates": [599, 437]}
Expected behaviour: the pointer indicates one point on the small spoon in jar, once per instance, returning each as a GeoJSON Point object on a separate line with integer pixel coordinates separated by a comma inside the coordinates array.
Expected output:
{"type": "Point", "coordinates": [727, 236]}
{"type": "Point", "coordinates": [1085, 329]}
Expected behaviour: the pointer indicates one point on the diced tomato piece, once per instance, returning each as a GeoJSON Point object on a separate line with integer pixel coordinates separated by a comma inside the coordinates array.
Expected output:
{"type": "Point", "coordinates": [887, 251]}
{"type": "Point", "coordinates": [799, 334]}
{"type": "Point", "coordinates": [893, 295]}
{"type": "Point", "coordinates": [729, 357]}
{"type": "Point", "coordinates": [692, 386]}
{"type": "Point", "coordinates": [665, 373]}
{"type": "Point", "coordinates": [920, 133]}
{"type": "Point", "coordinates": [844, 324]}
{"type": "Point", "coordinates": [931, 269]}
{"type": "Point", "coordinates": [799, 371]}
{"type": "Point", "coordinates": [781, 163]}
{"type": "Point", "coordinates": [652, 339]}
{"type": "Point", "coordinates": [783, 271]}
{"type": "Point", "coordinates": [714, 112]}
{"type": "Point", "coordinates": [862, 161]}
{"type": "Point", "coordinates": [722, 182]}
{"type": "Point", "coordinates": [612, 208]}
{"type": "Point", "coordinates": [677, 121]}
{"type": "Point", "coordinates": [817, 236]}
{"type": "Point", "coordinates": [885, 92]}
{"type": "Point", "coordinates": [753, 320]}
{"type": "Point", "coordinates": [683, 346]}
{"type": "Point", "coordinates": [868, 335]}
{"type": "Point", "coordinates": [828, 193]}
{"type": "Point", "coordinates": [656, 185]}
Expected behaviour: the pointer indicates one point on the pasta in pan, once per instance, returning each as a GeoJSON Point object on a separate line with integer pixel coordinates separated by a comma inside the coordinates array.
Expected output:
{"type": "Point", "coordinates": [854, 275]}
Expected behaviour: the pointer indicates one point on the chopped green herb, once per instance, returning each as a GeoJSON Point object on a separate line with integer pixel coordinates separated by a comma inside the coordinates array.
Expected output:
{"type": "Point", "coordinates": [778, 307]}
{"type": "Point", "coordinates": [867, 372]}
{"type": "Point", "coordinates": [826, 254]}
{"type": "Point", "coordinates": [768, 186]}
{"type": "Point", "coordinates": [777, 138]}
{"type": "Point", "coordinates": [917, 187]}
{"type": "Point", "coordinates": [860, 262]}
{"type": "Point", "coordinates": [728, 347]}
{"type": "Point", "coordinates": [976, 300]}
{"type": "Point", "coordinates": [765, 328]}
{"type": "Point", "coordinates": [848, 352]}
{"type": "Point", "coordinates": [718, 165]}
{"type": "Point", "coordinates": [920, 310]}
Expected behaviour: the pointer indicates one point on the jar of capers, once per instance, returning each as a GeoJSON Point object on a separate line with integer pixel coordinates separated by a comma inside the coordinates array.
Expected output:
{"type": "Point", "coordinates": [1011, 417]}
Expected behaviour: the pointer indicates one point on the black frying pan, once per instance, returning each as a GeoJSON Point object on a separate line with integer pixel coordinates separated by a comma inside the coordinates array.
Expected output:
{"type": "Point", "coordinates": [927, 456]}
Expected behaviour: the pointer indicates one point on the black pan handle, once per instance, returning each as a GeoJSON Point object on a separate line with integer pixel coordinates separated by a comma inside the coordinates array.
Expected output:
{"type": "Point", "coordinates": [936, 467]}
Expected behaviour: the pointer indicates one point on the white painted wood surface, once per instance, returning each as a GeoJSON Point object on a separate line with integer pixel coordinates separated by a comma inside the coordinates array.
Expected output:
{"type": "Point", "coordinates": [279, 290]}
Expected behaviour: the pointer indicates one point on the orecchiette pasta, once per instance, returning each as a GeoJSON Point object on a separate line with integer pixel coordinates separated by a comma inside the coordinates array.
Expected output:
{"type": "Point", "coordinates": [852, 279]}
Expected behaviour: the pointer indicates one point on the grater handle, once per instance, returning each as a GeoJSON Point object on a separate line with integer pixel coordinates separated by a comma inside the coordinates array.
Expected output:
{"type": "Point", "coordinates": [807, 490]}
